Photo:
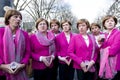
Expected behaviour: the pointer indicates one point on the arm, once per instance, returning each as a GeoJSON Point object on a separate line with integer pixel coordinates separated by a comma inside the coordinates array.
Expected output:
{"type": "Point", "coordinates": [71, 52]}
{"type": "Point", "coordinates": [57, 45]}
{"type": "Point", "coordinates": [115, 46]}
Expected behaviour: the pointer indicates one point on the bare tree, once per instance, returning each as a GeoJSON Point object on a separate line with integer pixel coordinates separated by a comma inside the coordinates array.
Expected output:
{"type": "Point", "coordinates": [20, 4]}
{"type": "Point", "coordinates": [115, 10]}
{"type": "Point", "coordinates": [49, 9]}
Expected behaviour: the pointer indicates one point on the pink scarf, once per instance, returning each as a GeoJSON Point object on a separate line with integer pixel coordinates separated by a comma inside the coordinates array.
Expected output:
{"type": "Point", "coordinates": [14, 51]}
{"type": "Point", "coordinates": [107, 64]}
{"type": "Point", "coordinates": [47, 41]}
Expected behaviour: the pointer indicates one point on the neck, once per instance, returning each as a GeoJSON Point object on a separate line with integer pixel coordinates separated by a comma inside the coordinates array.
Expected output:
{"type": "Point", "coordinates": [96, 34]}
{"type": "Point", "coordinates": [13, 29]}
{"type": "Point", "coordinates": [110, 30]}
{"type": "Point", "coordinates": [67, 32]}
{"type": "Point", "coordinates": [56, 32]}
{"type": "Point", "coordinates": [84, 34]}
{"type": "Point", "coordinates": [44, 33]}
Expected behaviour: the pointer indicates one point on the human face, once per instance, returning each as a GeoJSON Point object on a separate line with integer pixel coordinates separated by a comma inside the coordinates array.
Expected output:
{"type": "Point", "coordinates": [42, 26]}
{"type": "Point", "coordinates": [54, 27]}
{"type": "Point", "coordinates": [109, 23]}
{"type": "Point", "coordinates": [95, 30]}
{"type": "Point", "coordinates": [66, 27]}
{"type": "Point", "coordinates": [82, 28]}
{"type": "Point", "coordinates": [15, 21]}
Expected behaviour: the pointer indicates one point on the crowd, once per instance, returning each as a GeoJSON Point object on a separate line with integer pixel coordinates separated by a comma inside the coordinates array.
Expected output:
{"type": "Point", "coordinates": [94, 55]}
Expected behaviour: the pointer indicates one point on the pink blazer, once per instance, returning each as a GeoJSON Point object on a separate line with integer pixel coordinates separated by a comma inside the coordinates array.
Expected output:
{"type": "Point", "coordinates": [114, 42]}
{"type": "Point", "coordinates": [26, 55]}
{"type": "Point", "coordinates": [62, 44]}
{"type": "Point", "coordinates": [79, 51]}
{"type": "Point", "coordinates": [38, 50]}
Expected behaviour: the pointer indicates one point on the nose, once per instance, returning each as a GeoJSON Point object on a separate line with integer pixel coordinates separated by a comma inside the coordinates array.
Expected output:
{"type": "Point", "coordinates": [18, 18]}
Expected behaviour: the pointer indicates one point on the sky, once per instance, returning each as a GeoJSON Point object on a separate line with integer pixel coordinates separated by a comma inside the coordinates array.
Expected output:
{"type": "Point", "coordinates": [89, 9]}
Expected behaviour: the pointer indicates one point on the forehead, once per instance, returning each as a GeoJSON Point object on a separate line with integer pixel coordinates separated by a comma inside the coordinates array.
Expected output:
{"type": "Point", "coordinates": [43, 21]}
{"type": "Point", "coordinates": [83, 23]}
{"type": "Point", "coordinates": [65, 23]}
{"type": "Point", "coordinates": [94, 26]}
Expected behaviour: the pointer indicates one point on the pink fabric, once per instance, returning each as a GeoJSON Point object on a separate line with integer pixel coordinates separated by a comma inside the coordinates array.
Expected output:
{"type": "Point", "coordinates": [14, 51]}
{"type": "Point", "coordinates": [1, 48]}
{"type": "Point", "coordinates": [107, 64]}
{"type": "Point", "coordinates": [38, 49]}
{"type": "Point", "coordinates": [114, 42]}
{"type": "Point", "coordinates": [79, 51]}
{"type": "Point", "coordinates": [62, 45]}
{"type": "Point", "coordinates": [47, 41]}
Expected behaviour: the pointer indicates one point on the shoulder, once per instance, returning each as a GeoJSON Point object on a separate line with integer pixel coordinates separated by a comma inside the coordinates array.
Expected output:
{"type": "Point", "coordinates": [32, 36]}
{"type": "Point", "coordinates": [60, 35]}
{"type": "Point", "coordinates": [2, 29]}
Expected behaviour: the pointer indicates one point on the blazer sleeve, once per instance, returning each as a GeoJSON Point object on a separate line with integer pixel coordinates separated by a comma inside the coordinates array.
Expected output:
{"type": "Point", "coordinates": [72, 51]}
{"type": "Point", "coordinates": [115, 46]}
{"type": "Point", "coordinates": [57, 45]}
{"type": "Point", "coordinates": [35, 56]}
{"type": "Point", "coordinates": [1, 45]}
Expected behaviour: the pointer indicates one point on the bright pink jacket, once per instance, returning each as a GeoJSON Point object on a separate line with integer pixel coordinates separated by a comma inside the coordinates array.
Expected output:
{"type": "Point", "coordinates": [114, 43]}
{"type": "Point", "coordinates": [37, 51]}
{"type": "Point", "coordinates": [62, 45]}
{"type": "Point", "coordinates": [25, 59]}
{"type": "Point", "coordinates": [79, 51]}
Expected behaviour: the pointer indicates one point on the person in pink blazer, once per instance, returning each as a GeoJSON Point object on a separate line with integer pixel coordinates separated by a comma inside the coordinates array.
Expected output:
{"type": "Point", "coordinates": [95, 29]}
{"type": "Point", "coordinates": [54, 27]}
{"type": "Point", "coordinates": [43, 50]}
{"type": "Point", "coordinates": [82, 50]}
{"type": "Point", "coordinates": [111, 44]}
{"type": "Point", "coordinates": [66, 71]}
{"type": "Point", "coordinates": [14, 47]}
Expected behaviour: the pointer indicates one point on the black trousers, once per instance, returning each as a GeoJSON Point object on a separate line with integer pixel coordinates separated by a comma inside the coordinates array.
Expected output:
{"type": "Point", "coordinates": [2, 77]}
{"type": "Point", "coordinates": [84, 76]}
{"type": "Point", "coordinates": [55, 69]}
{"type": "Point", "coordinates": [117, 76]}
{"type": "Point", "coordinates": [66, 72]}
{"type": "Point", "coordinates": [44, 74]}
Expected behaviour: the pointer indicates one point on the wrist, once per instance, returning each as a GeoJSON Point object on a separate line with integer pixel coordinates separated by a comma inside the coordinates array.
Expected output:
{"type": "Point", "coordinates": [41, 58]}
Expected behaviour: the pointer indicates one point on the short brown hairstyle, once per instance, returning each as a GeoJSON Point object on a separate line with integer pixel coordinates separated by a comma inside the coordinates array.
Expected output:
{"type": "Point", "coordinates": [39, 20]}
{"type": "Point", "coordinates": [108, 17]}
{"type": "Point", "coordinates": [54, 21]}
{"type": "Point", "coordinates": [64, 21]}
{"type": "Point", "coordinates": [83, 21]}
{"type": "Point", "coordinates": [10, 13]}
{"type": "Point", "coordinates": [95, 24]}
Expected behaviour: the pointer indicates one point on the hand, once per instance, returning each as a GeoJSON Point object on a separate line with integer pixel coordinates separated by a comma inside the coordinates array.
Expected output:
{"type": "Point", "coordinates": [68, 60]}
{"type": "Point", "coordinates": [101, 39]}
{"type": "Point", "coordinates": [83, 66]}
{"type": "Point", "coordinates": [53, 57]}
{"type": "Point", "coordinates": [91, 63]}
{"type": "Point", "coordinates": [65, 59]}
{"type": "Point", "coordinates": [49, 59]}
{"type": "Point", "coordinates": [6, 68]}
{"type": "Point", "coordinates": [46, 60]}
{"type": "Point", "coordinates": [19, 67]}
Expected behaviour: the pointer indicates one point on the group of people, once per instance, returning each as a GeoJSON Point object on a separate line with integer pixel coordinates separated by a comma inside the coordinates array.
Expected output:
{"type": "Point", "coordinates": [90, 54]}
